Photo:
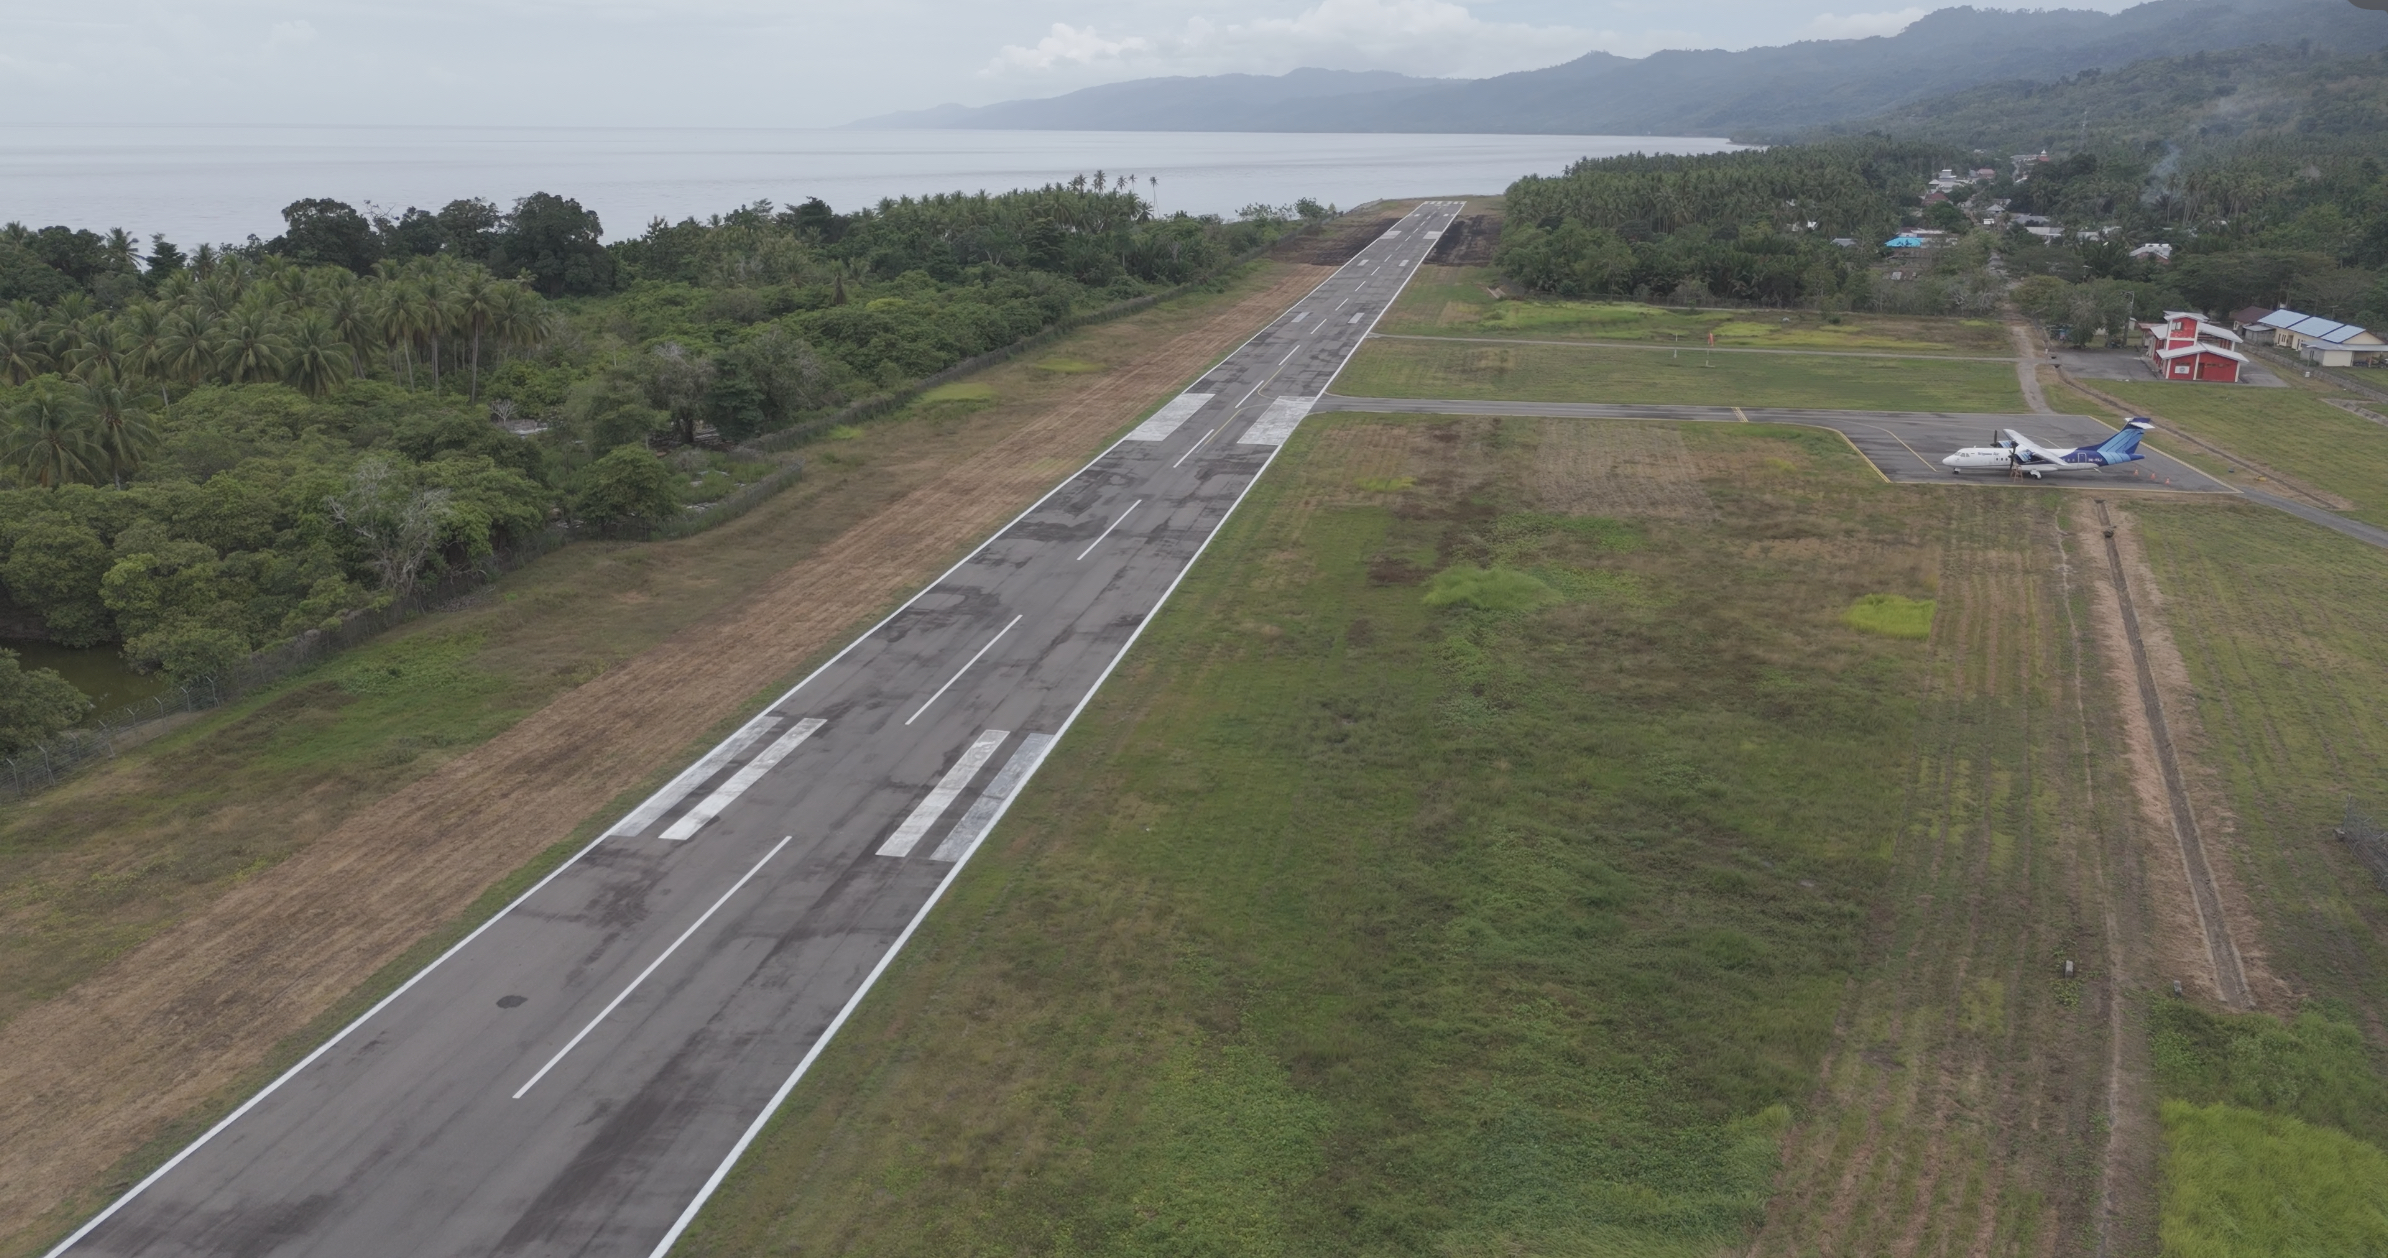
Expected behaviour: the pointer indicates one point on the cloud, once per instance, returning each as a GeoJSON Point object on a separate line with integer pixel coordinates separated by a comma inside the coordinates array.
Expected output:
{"type": "Point", "coordinates": [1068, 43]}
{"type": "Point", "coordinates": [1861, 25]}
{"type": "Point", "coordinates": [1425, 37]}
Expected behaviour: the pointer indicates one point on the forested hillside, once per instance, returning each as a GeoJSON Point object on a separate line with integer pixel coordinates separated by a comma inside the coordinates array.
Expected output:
{"type": "Point", "coordinates": [206, 452]}
{"type": "Point", "coordinates": [2261, 171]}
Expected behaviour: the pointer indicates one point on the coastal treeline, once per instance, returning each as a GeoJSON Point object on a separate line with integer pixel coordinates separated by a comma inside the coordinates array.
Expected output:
{"type": "Point", "coordinates": [209, 450]}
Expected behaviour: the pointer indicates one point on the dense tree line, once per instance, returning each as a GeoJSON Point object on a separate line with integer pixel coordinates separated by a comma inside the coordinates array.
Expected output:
{"type": "Point", "coordinates": [206, 452]}
{"type": "Point", "coordinates": [1752, 226]}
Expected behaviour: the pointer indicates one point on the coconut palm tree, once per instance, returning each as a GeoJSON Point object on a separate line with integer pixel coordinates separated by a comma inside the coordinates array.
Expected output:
{"type": "Point", "coordinates": [120, 440]}
{"type": "Point", "coordinates": [49, 438]}
{"type": "Point", "coordinates": [398, 317]}
{"type": "Point", "coordinates": [316, 359]}
{"type": "Point", "coordinates": [186, 352]}
{"type": "Point", "coordinates": [24, 349]}
{"type": "Point", "coordinates": [122, 251]}
{"type": "Point", "coordinates": [140, 331]}
{"type": "Point", "coordinates": [97, 350]}
{"type": "Point", "coordinates": [348, 305]}
{"type": "Point", "coordinates": [435, 314]}
{"type": "Point", "coordinates": [250, 346]}
{"type": "Point", "coordinates": [475, 303]}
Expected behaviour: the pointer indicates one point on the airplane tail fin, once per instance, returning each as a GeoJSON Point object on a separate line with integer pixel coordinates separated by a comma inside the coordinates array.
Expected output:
{"type": "Point", "coordinates": [2125, 444]}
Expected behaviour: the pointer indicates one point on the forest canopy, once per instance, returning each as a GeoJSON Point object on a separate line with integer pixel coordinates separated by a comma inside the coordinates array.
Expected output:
{"type": "Point", "coordinates": [209, 451]}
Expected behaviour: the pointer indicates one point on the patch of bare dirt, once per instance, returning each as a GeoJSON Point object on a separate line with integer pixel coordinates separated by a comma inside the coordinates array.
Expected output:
{"type": "Point", "coordinates": [1469, 241]}
{"type": "Point", "coordinates": [1340, 241]}
{"type": "Point", "coordinates": [91, 1075]}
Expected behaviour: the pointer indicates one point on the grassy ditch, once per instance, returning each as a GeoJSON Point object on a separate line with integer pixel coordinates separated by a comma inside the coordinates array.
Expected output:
{"type": "Point", "coordinates": [1467, 862]}
{"type": "Point", "coordinates": [2276, 1123]}
{"type": "Point", "coordinates": [1566, 373]}
{"type": "Point", "coordinates": [1459, 301]}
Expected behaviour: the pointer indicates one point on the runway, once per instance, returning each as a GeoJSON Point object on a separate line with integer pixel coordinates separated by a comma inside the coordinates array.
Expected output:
{"type": "Point", "coordinates": [576, 1076]}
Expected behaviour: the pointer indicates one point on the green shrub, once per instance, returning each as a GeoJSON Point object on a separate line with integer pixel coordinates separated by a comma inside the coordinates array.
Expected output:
{"type": "Point", "coordinates": [1891, 615]}
{"type": "Point", "coordinates": [34, 705]}
{"type": "Point", "coordinates": [2314, 1068]}
{"type": "Point", "coordinates": [2238, 1182]}
{"type": "Point", "coordinates": [627, 484]}
{"type": "Point", "coordinates": [1487, 589]}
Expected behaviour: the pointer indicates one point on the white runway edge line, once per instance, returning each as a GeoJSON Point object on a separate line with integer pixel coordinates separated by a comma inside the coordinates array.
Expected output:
{"type": "Point", "coordinates": [754, 1129]}
{"type": "Point", "coordinates": [1166, 420]}
{"type": "Point", "coordinates": [941, 797]}
{"type": "Point", "coordinates": [339, 1037]}
{"type": "Point", "coordinates": [1123, 518]}
{"type": "Point", "coordinates": [691, 777]}
{"type": "Point", "coordinates": [728, 792]}
{"type": "Point", "coordinates": [1278, 422]}
{"type": "Point", "coordinates": [963, 839]}
{"type": "Point", "coordinates": [660, 958]}
{"type": "Point", "coordinates": [949, 682]}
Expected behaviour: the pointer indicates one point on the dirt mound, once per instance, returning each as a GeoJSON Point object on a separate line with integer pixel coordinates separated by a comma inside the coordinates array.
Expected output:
{"type": "Point", "coordinates": [1468, 241]}
{"type": "Point", "coordinates": [93, 1074]}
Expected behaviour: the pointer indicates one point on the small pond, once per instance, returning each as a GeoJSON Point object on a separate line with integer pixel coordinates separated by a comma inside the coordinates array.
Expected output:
{"type": "Point", "coordinates": [97, 671]}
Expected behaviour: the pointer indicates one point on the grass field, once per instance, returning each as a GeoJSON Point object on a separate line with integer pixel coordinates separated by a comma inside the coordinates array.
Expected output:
{"type": "Point", "coordinates": [2278, 624]}
{"type": "Point", "coordinates": [1458, 301]}
{"type": "Point", "coordinates": [1470, 861]}
{"type": "Point", "coordinates": [2291, 430]}
{"type": "Point", "coordinates": [1560, 373]}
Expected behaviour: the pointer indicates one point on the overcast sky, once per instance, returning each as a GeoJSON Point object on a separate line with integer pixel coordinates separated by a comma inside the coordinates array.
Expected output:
{"type": "Point", "coordinates": [786, 62]}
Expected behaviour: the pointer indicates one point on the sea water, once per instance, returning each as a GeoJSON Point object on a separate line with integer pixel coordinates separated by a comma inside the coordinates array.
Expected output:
{"type": "Point", "coordinates": [205, 184]}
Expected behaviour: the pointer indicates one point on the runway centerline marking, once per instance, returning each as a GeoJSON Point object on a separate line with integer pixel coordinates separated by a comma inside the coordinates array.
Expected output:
{"type": "Point", "coordinates": [1108, 527]}
{"type": "Point", "coordinates": [1181, 459]}
{"type": "Point", "coordinates": [941, 796]}
{"type": "Point", "coordinates": [949, 682]}
{"type": "Point", "coordinates": [728, 792]}
{"type": "Point", "coordinates": [616, 1002]}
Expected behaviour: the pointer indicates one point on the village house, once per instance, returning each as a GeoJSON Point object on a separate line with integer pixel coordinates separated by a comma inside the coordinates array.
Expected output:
{"type": "Point", "coordinates": [2324, 342]}
{"type": "Point", "coordinates": [2186, 348]}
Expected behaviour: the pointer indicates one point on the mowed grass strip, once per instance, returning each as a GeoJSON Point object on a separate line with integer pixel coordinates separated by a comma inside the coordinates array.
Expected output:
{"type": "Point", "coordinates": [2276, 1123]}
{"type": "Point", "coordinates": [1447, 300]}
{"type": "Point", "coordinates": [1565, 373]}
{"type": "Point", "coordinates": [2291, 430]}
{"type": "Point", "coordinates": [1371, 912]}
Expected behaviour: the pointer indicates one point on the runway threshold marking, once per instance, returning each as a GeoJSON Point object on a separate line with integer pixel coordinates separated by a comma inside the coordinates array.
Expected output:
{"type": "Point", "coordinates": [941, 796]}
{"type": "Point", "coordinates": [660, 958]}
{"type": "Point", "coordinates": [690, 778]}
{"type": "Point", "coordinates": [963, 839]}
{"type": "Point", "coordinates": [1167, 419]}
{"type": "Point", "coordinates": [949, 682]}
{"type": "Point", "coordinates": [728, 792]}
{"type": "Point", "coordinates": [1090, 546]}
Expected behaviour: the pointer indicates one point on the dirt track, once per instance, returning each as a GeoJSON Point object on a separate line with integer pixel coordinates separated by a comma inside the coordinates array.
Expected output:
{"type": "Point", "coordinates": [93, 1074]}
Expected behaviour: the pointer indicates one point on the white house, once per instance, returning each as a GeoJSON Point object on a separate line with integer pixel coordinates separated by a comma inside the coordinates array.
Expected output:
{"type": "Point", "coordinates": [2324, 342]}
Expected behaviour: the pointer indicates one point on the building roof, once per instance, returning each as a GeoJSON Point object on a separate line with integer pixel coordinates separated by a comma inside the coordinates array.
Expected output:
{"type": "Point", "coordinates": [2250, 314]}
{"type": "Point", "coordinates": [2283, 318]}
{"type": "Point", "coordinates": [2186, 350]}
{"type": "Point", "coordinates": [1904, 242]}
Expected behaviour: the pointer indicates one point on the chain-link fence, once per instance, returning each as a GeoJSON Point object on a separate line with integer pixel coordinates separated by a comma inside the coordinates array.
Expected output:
{"type": "Point", "coordinates": [2369, 839]}
{"type": "Point", "coordinates": [40, 767]}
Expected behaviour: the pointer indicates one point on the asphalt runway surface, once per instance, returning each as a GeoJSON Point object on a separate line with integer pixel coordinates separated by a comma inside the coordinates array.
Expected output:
{"type": "Point", "coordinates": [577, 1075]}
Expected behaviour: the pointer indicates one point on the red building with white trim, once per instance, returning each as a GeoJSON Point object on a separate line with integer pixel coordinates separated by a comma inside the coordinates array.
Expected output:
{"type": "Point", "coordinates": [2186, 348]}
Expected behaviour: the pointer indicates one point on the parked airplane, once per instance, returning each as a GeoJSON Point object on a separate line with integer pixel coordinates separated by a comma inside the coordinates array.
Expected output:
{"type": "Point", "coordinates": [2018, 453]}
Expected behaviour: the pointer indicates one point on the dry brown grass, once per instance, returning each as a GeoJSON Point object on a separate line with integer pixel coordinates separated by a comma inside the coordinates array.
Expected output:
{"type": "Point", "coordinates": [361, 868]}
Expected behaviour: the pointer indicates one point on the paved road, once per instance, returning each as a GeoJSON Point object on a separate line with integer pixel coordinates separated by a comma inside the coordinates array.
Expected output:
{"type": "Point", "coordinates": [574, 1077]}
{"type": "Point", "coordinates": [1903, 445]}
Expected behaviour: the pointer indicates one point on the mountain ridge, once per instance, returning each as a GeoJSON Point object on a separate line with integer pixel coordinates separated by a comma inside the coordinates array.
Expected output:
{"type": "Point", "coordinates": [1771, 90]}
